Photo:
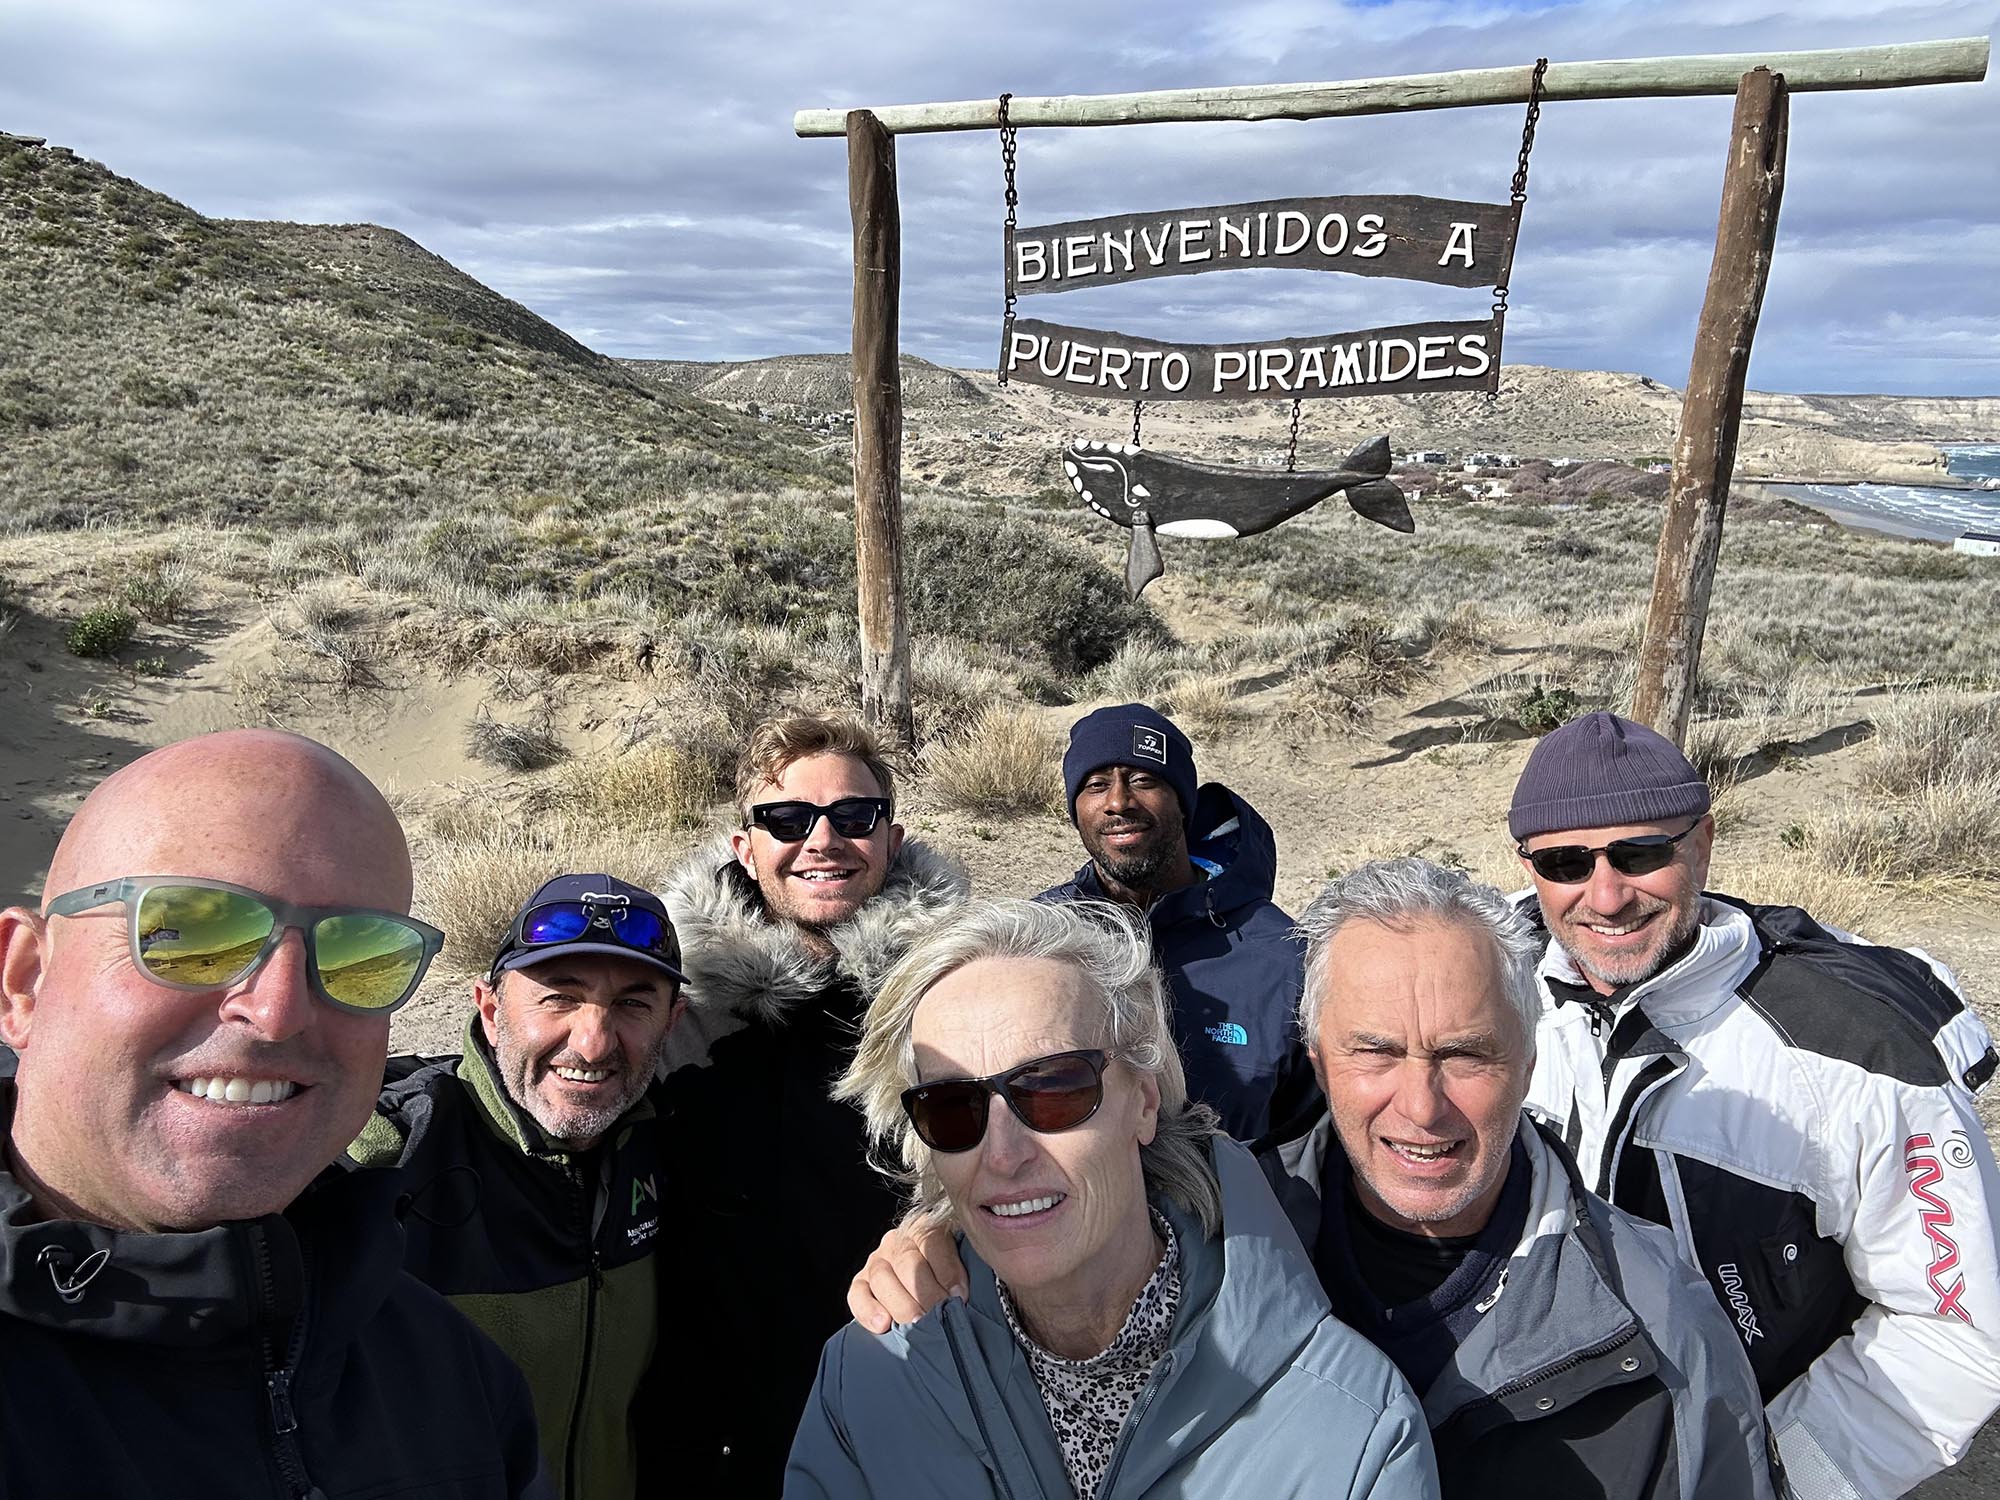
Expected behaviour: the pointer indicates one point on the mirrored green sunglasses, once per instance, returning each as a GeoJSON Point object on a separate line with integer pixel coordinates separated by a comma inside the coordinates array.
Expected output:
{"type": "Point", "coordinates": [191, 934]}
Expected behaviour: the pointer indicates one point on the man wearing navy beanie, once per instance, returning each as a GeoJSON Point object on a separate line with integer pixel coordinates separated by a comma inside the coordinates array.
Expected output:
{"type": "Point", "coordinates": [1201, 864]}
{"type": "Point", "coordinates": [1795, 1103]}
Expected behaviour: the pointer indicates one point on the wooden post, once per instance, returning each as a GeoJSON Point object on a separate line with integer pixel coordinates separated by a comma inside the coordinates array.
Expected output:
{"type": "Point", "coordinates": [1705, 451]}
{"type": "Point", "coordinates": [1896, 65]}
{"type": "Point", "coordinates": [878, 430]}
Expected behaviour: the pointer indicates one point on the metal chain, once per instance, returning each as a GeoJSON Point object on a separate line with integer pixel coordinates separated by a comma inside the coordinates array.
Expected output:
{"type": "Point", "coordinates": [1519, 191]}
{"type": "Point", "coordinates": [1013, 203]}
{"type": "Point", "coordinates": [1138, 407]}
{"type": "Point", "coordinates": [1292, 449]}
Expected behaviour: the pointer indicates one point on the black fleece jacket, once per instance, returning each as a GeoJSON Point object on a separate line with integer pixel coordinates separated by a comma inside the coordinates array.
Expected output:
{"type": "Point", "coordinates": [287, 1356]}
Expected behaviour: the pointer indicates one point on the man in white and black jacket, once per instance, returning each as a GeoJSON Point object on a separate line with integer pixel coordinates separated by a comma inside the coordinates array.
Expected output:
{"type": "Point", "coordinates": [1794, 1103]}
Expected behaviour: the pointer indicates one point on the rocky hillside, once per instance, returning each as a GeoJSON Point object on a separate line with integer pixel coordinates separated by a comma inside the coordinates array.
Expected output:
{"type": "Point", "coordinates": [389, 264]}
{"type": "Point", "coordinates": [156, 364]}
{"type": "Point", "coordinates": [809, 382]}
{"type": "Point", "coordinates": [1539, 412]}
{"type": "Point", "coordinates": [1886, 419]}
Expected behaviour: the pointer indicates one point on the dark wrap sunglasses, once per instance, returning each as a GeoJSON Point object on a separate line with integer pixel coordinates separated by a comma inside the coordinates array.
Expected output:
{"type": "Point", "coordinates": [1046, 1094]}
{"type": "Point", "coordinates": [790, 822]}
{"type": "Point", "coordinates": [1572, 864]}
{"type": "Point", "coordinates": [193, 934]}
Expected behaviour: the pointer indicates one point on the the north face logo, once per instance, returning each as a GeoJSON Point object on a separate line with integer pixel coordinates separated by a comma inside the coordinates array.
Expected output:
{"type": "Point", "coordinates": [1149, 744]}
{"type": "Point", "coordinates": [1229, 1034]}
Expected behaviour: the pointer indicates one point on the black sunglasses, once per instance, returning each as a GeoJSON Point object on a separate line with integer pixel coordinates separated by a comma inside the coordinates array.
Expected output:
{"type": "Point", "coordinates": [1572, 864]}
{"type": "Point", "coordinates": [789, 822]}
{"type": "Point", "coordinates": [192, 934]}
{"type": "Point", "coordinates": [1047, 1094]}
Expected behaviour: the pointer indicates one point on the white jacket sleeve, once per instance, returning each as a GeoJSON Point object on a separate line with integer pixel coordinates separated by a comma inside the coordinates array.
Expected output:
{"type": "Point", "coordinates": [1909, 1186]}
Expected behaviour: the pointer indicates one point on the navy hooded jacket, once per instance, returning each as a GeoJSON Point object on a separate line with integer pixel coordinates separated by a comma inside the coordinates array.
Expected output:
{"type": "Point", "coordinates": [1234, 967]}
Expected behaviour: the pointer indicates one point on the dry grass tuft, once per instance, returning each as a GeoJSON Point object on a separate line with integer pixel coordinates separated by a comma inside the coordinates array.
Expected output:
{"type": "Point", "coordinates": [1340, 667]}
{"type": "Point", "coordinates": [1441, 631]}
{"type": "Point", "coordinates": [1206, 703]}
{"type": "Point", "coordinates": [472, 885]}
{"type": "Point", "coordinates": [1139, 673]}
{"type": "Point", "coordinates": [322, 607]}
{"type": "Point", "coordinates": [512, 747]}
{"type": "Point", "coordinates": [950, 687]}
{"type": "Point", "coordinates": [1006, 763]}
{"type": "Point", "coordinates": [1717, 747]}
{"type": "Point", "coordinates": [1935, 738]}
{"type": "Point", "coordinates": [1838, 897]}
{"type": "Point", "coordinates": [655, 785]}
{"type": "Point", "coordinates": [1946, 832]}
{"type": "Point", "coordinates": [161, 589]}
{"type": "Point", "coordinates": [264, 695]}
{"type": "Point", "coordinates": [1931, 816]}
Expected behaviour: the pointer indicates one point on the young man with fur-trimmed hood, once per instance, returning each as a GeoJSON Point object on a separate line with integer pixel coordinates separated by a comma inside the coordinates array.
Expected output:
{"type": "Point", "coordinates": [786, 930]}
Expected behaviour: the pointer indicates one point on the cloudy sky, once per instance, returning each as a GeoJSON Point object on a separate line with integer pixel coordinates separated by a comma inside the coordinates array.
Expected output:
{"type": "Point", "coordinates": [627, 168]}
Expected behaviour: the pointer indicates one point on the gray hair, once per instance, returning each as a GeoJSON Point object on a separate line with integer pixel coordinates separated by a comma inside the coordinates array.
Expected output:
{"type": "Point", "coordinates": [1109, 948]}
{"type": "Point", "coordinates": [1398, 893]}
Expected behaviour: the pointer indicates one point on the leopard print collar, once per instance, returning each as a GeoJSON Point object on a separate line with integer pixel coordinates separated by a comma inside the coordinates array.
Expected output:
{"type": "Point", "coordinates": [1088, 1400]}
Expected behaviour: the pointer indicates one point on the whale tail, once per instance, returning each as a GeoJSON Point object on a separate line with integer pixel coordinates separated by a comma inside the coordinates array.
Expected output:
{"type": "Point", "coordinates": [1382, 502]}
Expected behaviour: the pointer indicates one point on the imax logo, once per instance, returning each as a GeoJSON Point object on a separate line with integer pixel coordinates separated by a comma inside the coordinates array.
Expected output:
{"type": "Point", "coordinates": [1229, 1034]}
{"type": "Point", "coordinates": [1926, 1174]}
{"type": "Point", "coordinates": [1746, 1315]}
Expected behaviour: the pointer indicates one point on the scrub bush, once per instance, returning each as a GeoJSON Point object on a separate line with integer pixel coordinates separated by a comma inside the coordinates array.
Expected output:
{"type": "Point", "coordinates": [102, 631]}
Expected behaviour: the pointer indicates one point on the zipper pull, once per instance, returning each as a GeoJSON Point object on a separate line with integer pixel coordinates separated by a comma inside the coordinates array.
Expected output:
{"type": "Point", "coordinates": [283, 1417]}
{"type": "Point", "coordinates": [1596, 1021]}
{"type": "Point", "coordinates": [1498, 1287]}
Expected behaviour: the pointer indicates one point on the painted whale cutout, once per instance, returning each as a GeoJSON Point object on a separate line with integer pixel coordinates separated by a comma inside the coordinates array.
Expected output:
{"type": "Point", "coordinates": [1155, 494]}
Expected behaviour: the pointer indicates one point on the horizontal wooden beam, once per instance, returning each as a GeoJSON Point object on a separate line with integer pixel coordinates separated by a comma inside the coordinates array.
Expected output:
{"type": "Point", "coordinates": [1899, 65]}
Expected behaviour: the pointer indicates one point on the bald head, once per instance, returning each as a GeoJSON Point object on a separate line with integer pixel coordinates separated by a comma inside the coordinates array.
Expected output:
{"type": "Point", "coordinates": [235, 799]}
{"type": "Point", "coordinates": [105, 1125]}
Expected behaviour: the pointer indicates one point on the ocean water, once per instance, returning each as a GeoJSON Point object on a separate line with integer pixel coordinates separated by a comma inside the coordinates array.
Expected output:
{"type": "Point", "coordinates": [1916, 510]}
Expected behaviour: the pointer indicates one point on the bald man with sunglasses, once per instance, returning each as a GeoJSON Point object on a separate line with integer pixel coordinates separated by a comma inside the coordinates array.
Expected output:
{"type": "Point", "coordinates": [191, 1300]}
{"type": "Point", "coordinates": [1795, 1104]}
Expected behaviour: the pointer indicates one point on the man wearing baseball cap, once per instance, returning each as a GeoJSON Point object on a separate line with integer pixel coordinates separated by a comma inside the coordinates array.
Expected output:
{"type": "Point", "coordinates": [531, 1161]}
{"type": "Point", "coordinates": [1200, 863]}
{"type": "Point", "coordinates": [1795, 1104]}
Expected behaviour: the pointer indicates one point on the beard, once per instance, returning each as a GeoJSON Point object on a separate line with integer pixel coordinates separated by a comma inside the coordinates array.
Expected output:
{"type": "Point", "coordinates": [1619, 970]}
{"type": "Point", "coordinates": [563, 1121]}
{"type": "Point", "coordinates": [1137, 864]}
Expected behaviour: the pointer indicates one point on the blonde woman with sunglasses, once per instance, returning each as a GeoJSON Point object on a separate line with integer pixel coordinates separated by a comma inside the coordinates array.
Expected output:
{"type": "Point", "coordinates": [1140, 1318]}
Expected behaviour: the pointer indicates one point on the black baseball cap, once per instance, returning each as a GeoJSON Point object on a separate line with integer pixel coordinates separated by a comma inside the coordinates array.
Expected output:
{"type": "Point", "coordinates": [591, 914]}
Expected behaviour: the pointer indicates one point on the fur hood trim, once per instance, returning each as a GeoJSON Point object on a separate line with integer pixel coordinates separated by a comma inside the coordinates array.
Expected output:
{"type": "Point", "coordinates": [743, 966]}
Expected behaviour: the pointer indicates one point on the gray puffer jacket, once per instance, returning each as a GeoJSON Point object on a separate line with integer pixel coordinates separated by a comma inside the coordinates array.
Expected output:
{"type": "Point", "coordinates": [1600, 1365]}
{"type": "Point", "coordinates": [1261, 1392]}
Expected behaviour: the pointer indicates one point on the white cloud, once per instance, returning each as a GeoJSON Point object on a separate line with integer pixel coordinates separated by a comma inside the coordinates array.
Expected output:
{"type": "Point", "coordinates": [627, 167]}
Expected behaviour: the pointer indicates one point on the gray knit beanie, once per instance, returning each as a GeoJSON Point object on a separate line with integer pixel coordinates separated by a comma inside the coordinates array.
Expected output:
{"type": "Point", "coordinates": [1601, 771]}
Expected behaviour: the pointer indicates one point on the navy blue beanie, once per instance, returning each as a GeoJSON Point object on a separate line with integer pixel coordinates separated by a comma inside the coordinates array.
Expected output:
{"type": "Point", "coordinates": [1601, 771]}
{"type": "Point", "coordinates": [1130, 735]}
